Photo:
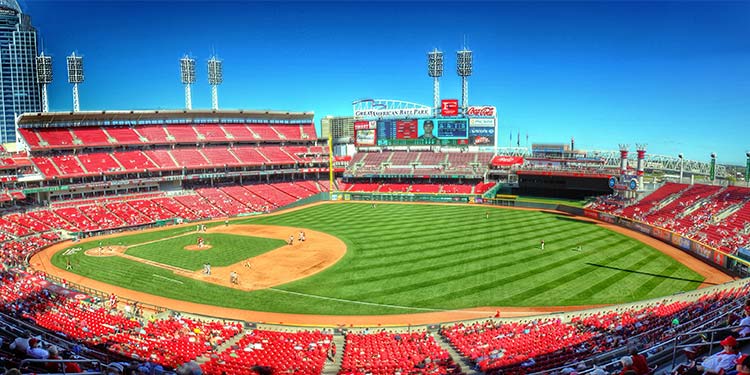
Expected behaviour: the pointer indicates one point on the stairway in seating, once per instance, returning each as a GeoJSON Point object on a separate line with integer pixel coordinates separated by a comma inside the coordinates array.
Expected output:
{"type": "Point", "coordinates": [458, 358]}
{"type": "Point", "coordinates": [332, 368]}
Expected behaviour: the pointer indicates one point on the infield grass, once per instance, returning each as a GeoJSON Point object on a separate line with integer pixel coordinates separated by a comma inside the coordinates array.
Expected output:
{"type": "Point", "coordinates": [412, 258]}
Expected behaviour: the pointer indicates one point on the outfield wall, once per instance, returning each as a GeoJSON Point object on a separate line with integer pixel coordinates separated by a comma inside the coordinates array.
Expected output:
{"type": "Point", "coordinates": [402, 197]}
{"type": "Point", "coordinates": [726, 262]}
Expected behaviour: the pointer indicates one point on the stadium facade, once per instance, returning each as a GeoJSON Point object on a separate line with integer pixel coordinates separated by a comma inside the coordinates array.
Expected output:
{"type": "Point", "coordinates": [19, 89]}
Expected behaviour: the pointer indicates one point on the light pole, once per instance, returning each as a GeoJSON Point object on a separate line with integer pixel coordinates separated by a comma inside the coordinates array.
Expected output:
{"type": "Point", "coordinates": [681, 165]}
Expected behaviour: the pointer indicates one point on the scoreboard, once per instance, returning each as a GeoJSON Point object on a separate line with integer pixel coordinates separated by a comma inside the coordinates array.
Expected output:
{"type": "Point", "coordinates": [407, 129]}
{"type": "Point", "coordinates": [452, 129]}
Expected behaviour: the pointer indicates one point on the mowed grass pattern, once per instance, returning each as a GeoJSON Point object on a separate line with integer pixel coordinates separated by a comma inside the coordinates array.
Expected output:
{"type": "Point", "coordinates": [414, 258]}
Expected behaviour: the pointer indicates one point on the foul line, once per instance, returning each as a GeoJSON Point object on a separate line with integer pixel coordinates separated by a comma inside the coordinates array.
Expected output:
{"type": "Point", "coordinates": [375, 304]}
{"type": "Point", "coordinates": [166, 278]}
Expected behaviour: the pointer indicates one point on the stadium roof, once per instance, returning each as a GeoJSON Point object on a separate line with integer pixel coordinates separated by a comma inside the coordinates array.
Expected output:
{"type": "Point", "coordinates": [10, 4]}
{"type": "Point", "coordinates": [38, 118]}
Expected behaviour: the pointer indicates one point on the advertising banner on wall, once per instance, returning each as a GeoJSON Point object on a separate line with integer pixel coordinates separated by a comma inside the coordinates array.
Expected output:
{"type": "Point", "coordinates": [661, 234]}
{"type": "Point", "coordinates": [590, 213]}
{"type": "Point", "coordinates": [365, 133]}
{"type": "Point", "coordinates": [449, 107]}
{"type": "Point", "coordinates": [482, 136]}
{"type": "Point", "coordinates": [606, 217]}
{"type": "Point", "coordinates": [701, 250]}
{"type": "Point", "coordinates": [720, 258]}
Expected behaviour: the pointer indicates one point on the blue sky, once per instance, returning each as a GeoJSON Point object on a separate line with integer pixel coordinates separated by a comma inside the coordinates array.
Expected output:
{"type": "Point", "coordinates": [673, 75]}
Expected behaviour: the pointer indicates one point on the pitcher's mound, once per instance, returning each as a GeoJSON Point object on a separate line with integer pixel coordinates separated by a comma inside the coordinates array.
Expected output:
{"type": "Point", "coordinates": [197, 248]}
{"type": "Point", "coordinates": [107, 251]}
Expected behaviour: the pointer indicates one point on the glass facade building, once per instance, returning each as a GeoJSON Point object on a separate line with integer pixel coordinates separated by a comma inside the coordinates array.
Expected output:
{"type": "Point", "coordinates": [19, 88]}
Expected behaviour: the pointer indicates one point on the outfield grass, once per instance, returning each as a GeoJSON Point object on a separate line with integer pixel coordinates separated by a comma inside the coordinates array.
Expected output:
{"type": "Point", "coordinates": [435, 257]}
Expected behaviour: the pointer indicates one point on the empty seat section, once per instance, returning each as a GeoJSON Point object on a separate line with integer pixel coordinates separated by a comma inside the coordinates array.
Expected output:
{"type": "Point", "coordinates": [51, 219]}
{"type": "Point", "coordinates": [99, 162]}
{"type": "Point", "coordinates": [76, 217]}
{"type": "Point", "coordinates": [256, 203]}
{"type": "Point", "coordinates": [162, 158]}
{"type": "Point", "coordinates": [250, 155]}
{"type": "Point", "coordinates": [68, 165]}
{"type": "Point", "coordinates": [394, 187]}
{"type": "Point", "coordinates": [323, 185]}
{"type": "Point", "coordinates": [310, 186]}
{"type": "Point", "coordinates": [182, 133]}
{"type": "Point", "coordinates": [425, 188]}
{"type": "Point", "coordinates": [273, 196]}
{"type": "Point", "coordinates": [189, 157]}
{"type": "Point", "coordinates": [265, 132]}
{"type": "Point", "coordinates": [276, 155]}
{"type": "Point", "coordinates": [124, 135]}
{"type": "Point", "coordinates": [200, 206]}
{"type": "Point", "coordinates": [46, 166]}
{"type": "Point", "coordinates": [134, 161]}
{"type": "Point", "coordinates": [457, 189]}
{"type": "Point", "coordinates": [56, 136]}
{"type": "Point", "coordinates": [154, 133]}
{"type": "Point", "coordinates": [91, 136]}
{"type": "Point", "coordinates": [239, 132]}
{"type": "Point", "coordinates": [151, 209]}
{"type": "Point", "coordinates": [290, 188]}
{"type": "Point", "coordinates": [223, 201]}
{"type": "Point", "coordinates": [101, 216]}
{"type": "Point", "coordinates": [30, 136]}
{"type": "Point", "coordinates": [220, 156]}
{"type": "Point", "coordinates": [128, 214]}
{"type": "Point", "coordinates": [179, 209]}
{"type": "Point", "coordinates": [309, 130]}
{"type": "Point", "coordinates": [483, 187]}
{"type": "Point", "coordinates": [431, 158]}
{"type": "Point", "coordinates": [290, 132]}
{"type": "Point", "coordinates": [211, 132]}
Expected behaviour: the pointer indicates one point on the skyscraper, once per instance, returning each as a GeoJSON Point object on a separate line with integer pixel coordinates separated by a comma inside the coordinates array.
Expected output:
{"type": "Point", "coordinates": [19, 89]}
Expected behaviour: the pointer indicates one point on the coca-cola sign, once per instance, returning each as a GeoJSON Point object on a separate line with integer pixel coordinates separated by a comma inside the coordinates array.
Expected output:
{"type": "Point", "coordinates": [481, 111]}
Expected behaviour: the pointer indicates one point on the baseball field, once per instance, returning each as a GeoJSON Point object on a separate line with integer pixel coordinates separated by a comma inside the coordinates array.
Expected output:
{"type": "Point", "coordinates": [360, 259]}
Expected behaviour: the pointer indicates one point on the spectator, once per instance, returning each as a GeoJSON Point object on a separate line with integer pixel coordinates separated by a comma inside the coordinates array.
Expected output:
{"type": "Point", "coordinates": [639, 362]}
{"type": "Point", "coordinates": [743, 365]}
{"type": "Point", "coordinates": [21, 343]}
{"type": "Point", "coordinates": [627, 366]}
{"type": "Point", "coordinates": [714, 364]}
{"type": "Point", "coordinates": [35, 349]}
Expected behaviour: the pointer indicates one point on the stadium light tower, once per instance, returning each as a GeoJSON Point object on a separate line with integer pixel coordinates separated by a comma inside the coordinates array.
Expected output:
{"type": "Point", "coordinates": [44, 77]}
{"type": "Point", "coordinates": [435, 70]}
{"type": "Point", "coordinates": [215, 78]}
{"type": "Point", "coordinates": [187, 76]}
{"type": "Point", "coordinates": [464, 68]}
{"type": "Point", "coordinates": [682, 170]}
{"type": "Point", "coordinates": [75, 76]}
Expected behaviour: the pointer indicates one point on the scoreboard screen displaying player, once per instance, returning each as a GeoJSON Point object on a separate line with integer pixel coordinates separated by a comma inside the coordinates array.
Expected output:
{"type": "Point", "coordinates": [453, 129]}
